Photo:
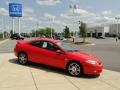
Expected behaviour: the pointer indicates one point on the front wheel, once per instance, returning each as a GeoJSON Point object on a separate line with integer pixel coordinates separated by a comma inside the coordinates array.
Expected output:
{"type": "Point", "coordinates": [74, 69]}
{"type": "Point", "coordinates": [22, 58]}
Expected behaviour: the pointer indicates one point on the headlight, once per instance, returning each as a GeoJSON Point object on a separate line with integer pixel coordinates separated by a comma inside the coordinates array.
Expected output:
{"type": "Point", "coordinates": [91, 62]}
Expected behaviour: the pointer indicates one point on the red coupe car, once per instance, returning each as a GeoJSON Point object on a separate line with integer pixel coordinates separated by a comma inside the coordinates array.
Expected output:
{"type": "Point", "coordinates": [58, 54]}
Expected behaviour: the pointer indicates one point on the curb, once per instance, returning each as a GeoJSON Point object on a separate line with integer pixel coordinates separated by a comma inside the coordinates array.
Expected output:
{"type": "Point", "coordinates": [1, 42]}
{"type": "Point", "coordinates": [90, 44]}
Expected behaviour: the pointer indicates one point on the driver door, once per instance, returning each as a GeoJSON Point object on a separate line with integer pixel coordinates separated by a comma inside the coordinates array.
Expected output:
{"type": "Point", "coordinates": [52, 57]}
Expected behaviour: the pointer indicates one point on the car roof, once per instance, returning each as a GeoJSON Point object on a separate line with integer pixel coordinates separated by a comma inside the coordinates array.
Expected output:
{"type": "Point", "coordinates": [45, 39]}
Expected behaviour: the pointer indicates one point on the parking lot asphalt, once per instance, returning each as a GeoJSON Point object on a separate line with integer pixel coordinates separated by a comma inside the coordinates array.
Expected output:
{"type": "Point", "coordinates": [38, 77]}
{"type": "Point", "coordinates": [7, 46]}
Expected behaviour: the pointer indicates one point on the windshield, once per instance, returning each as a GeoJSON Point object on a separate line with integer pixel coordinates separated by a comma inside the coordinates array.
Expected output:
{"type": "Point", "coordinates": [67, 47]}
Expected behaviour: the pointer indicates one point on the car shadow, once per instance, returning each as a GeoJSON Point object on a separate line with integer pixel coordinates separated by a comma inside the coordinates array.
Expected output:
{"type": "Point", "coordinates": [51, 69]}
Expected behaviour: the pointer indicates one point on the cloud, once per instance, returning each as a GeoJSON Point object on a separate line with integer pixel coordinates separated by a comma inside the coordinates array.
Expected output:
{"type": "Point", "coordinates": [3, 11]}
{"type": "Point", "coordinates": [89, 17]}
{"type": "Point", "coordinates": [109, 12]}
{"type": "Point", "coordinates": [29, 18]}
{"type": "Point", "coordinates": [74, 1]}
{"type": "Point", "coordinates": [28, 12]}
{"type": "Point", "coordinates": [48, 2]}
{"type": "Point", "coordinates": [7, 2]}
{"type": "Point", "coordinates": [49, 16]}
{"type": "Point", "coordinates": [81, 12]}
{"type": "Point", "coordinates": [61, 22]}
{"type": "Point", "coordinates": [65, 16]}
{"type": "Point", "coordinates": [77, 12]}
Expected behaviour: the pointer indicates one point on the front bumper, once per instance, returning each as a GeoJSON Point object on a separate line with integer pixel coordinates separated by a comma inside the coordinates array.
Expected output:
{"type": "Point", "coordinates": [93, 69]}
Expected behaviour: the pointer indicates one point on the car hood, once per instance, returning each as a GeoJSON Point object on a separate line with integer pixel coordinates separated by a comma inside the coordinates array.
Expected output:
{"type": "Point", "coordinates": [82, 56]}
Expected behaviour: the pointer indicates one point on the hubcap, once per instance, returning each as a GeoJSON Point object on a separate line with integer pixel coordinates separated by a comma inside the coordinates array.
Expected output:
{"type": "Point", "coordinates": [22, 58]}
{"type": "Point", "coordinates": [74, 69]}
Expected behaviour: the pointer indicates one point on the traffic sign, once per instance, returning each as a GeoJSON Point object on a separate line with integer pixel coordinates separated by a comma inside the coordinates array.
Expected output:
{"type": "Point", "coordinates": [15, 10]}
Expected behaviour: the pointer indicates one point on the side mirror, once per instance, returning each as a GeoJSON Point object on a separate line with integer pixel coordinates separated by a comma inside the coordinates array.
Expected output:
{"type": "Point", "coordinates": [59, 52]}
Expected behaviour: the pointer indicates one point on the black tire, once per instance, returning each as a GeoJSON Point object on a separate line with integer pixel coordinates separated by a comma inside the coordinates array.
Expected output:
{"type": "Point", "coordinates": [74, 69]}
{"type": "Point", "coordinates": [22, 58]}
{"type": "Point", "coordinates": [17, 38]}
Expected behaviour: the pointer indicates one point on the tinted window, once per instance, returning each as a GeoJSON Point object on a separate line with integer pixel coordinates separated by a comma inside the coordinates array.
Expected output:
{"type": "Point", "coordinates": [52, 46]}
{"type": "Point", "coordinates": [45, 45]}
{"type": "Point", "coordinates": [37, 44]}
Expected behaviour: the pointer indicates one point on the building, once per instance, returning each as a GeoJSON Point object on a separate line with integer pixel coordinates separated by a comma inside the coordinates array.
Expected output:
{"type": "Point", "coordinates": [98, 31]}
{"type": "Point", "coordinates": [114, 29]}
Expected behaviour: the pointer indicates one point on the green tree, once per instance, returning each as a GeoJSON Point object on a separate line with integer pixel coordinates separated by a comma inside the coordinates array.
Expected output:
{"type": "Point", "coordinates": [43, 31]}
{"type": "Point", "coordinates": [66, 32]}
{"type": "Point", "coordinates": [83, 30]}
{"type": "Point", "coordinates": [48, 31]}
{"type": "Point", "coordinates": [33, 31]}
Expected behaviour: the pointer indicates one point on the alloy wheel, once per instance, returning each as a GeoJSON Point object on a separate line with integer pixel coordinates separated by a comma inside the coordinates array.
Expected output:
{"type": "Point", "coordinates": [74, 69]}
{"type": "Point", "coordinates": [22, 58]}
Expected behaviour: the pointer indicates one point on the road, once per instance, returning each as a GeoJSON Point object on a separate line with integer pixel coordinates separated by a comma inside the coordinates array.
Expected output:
{"type": "Point", "coordinates": [8, 46]}
{"type": "Point", "coordinates": [107, 50]}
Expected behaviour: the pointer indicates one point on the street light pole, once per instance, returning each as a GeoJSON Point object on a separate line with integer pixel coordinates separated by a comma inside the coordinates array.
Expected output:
{"type": "Point", "coordinates": [73, 7]}
{"type": "Point", "coordinates": [50, 20]}
{"type": "Point", "coordinates": [3, 25]}
{"type": "Point", "coordinates": [37, 24]}
{"type": "Point", "coordinates": [117, 30]}
{"type": "Point", "coordinates": [35, 30]}
{"type": "Point", "coordinates": [51, 29]}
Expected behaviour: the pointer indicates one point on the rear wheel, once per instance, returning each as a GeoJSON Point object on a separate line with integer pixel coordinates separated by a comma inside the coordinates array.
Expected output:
{"type": "Point", "coordinates": [74, 69]}
{"type": "Point", "coordinates": [22, 58]}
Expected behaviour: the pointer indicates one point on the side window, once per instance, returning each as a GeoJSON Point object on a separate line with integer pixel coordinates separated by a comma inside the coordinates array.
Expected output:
{"type": "Point", "coordinates": [37, 44]}
{"type": "Point", "coordinates": [45, 45]}
{"type": "Point", "coordinates": [51, 46]}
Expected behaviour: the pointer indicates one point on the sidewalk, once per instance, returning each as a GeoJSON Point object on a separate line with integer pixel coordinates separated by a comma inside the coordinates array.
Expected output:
{"type": "Point", "coordinates": [36, 77]}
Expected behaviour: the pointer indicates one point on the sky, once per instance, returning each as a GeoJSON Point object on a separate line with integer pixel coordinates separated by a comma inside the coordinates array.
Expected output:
{"type": "Point", "coordinates": [58, 14]}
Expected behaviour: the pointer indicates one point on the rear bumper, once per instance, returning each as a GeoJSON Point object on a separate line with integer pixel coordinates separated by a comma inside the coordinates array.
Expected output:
{"type": "Point", "coordinates": [93, 69]}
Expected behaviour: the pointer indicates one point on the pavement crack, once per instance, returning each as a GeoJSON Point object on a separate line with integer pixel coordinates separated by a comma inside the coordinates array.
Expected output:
{"type": "Point", "coordinates": [109, 84]}
{"type": "Point", "coordinates": [33, 79]}
{"type": "Point", "coordinates": [72, 83]}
